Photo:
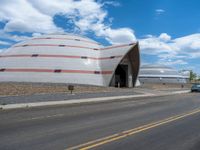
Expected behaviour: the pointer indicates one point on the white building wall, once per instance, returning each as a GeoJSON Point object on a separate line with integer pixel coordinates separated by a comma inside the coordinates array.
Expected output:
{"type": "Point", "coordinates": [81, 60]}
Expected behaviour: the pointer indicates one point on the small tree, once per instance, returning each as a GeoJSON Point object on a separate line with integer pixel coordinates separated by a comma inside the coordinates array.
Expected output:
{"type": "Point", "coordinates": [198, 78]}
{"type": "Point", "coordinates": [193, 76]}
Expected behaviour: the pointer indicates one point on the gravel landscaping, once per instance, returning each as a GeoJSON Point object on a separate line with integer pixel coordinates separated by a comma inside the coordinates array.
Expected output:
{"type": "Point", "coordinates": [15, 89]}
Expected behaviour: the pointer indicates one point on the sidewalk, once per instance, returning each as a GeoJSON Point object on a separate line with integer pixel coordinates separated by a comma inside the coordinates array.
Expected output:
{"type": "Point", "coordinates": [29, 101]}
{"type": "Point", "coordinates": [62, 96]}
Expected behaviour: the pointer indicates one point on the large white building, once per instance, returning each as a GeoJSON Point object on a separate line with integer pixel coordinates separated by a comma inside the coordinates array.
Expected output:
{"type": "Point", "coordinates": [160, 74]}
{"type": "Point", "coordinates": [185, 74]}
{"type": "Point", "coordinates": [70, 59]}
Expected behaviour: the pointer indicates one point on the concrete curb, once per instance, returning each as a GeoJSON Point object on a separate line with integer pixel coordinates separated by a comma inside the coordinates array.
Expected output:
{"type": "Point", "coordinates": [180, 92]}
{"type": "Point", "coordinates": [82, 101]}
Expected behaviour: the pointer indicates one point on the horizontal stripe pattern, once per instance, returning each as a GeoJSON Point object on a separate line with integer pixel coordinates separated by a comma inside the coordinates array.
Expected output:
{"type": "Point", "coordinates": [61, 56]}
{"type": "Point", "coordinates": [55, 45]}
{"type": "Point", "coordinates": [71, 39]}
{"type": "Point", "coordinates": [54, 71]}
{"type": "Point", "coordinates": [73, 46]}
{"type": "Point", "coordinates": [143, 77]}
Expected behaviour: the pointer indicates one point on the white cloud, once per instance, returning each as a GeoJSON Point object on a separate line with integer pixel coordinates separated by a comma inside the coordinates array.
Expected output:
{"type": "Point", "coordinates": [113, 3]}
{"type": "Point", "coordinates": [4, 43]}
{"type": "Point", "coordinates": [171, 51]}
{"type": "Point", "coordinates": [159, 11]}
{"type": "Point", "coordinates": [22, 16]}
{"type": "Point", "coordinates": [164, 37]}
{"type": "Point", "coordinates": [2, 50]}
{"type": "Point", "coordinates": [155, 45]}
{"type": "Point", "coordinates": [15, 38]}
{"type": "Point", "coordinates": [118, 36]}
{"type": "Point", "coordinates": [173, 62]}
{"type": "Point", "coordinates": [36, 34]}
{"type": "Point", "coordinates": [164, 44]}
{"type": "Point", "coordinates": [189, 42]}
{"type": "Point", "coordinates": [86, 15]}
{"type": "Point", "coordinates": [36, 17]}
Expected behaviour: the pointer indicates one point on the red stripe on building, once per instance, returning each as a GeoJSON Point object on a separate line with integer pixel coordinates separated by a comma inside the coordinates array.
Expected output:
{"type": "Point", "coordinates": [63, 56]}
{"type": "Point", "coordinates": [61, 45]}
{"type": "Point", "coordinates": [28, 70]}
{"type": "Point", "coordinates": [105, 58]}
{"type": "Point", "coordinates": [50, 38]}
{"type": "Point", "coordinates": [20, 55]}
{"type": "Point", "coordinates": [58, 56]}
{"type": "Point", "coordinates": [55, 45]}
{"type": "Point", "coordinates": [53, 71]}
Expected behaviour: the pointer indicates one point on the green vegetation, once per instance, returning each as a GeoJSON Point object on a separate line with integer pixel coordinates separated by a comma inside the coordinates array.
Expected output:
{"type": "Point", "coordinates": [198, 78]}
{"type": "Point", "coordinates": [194, 77]}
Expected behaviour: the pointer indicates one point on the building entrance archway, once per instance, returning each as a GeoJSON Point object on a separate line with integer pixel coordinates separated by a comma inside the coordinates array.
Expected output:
{"type": "Point", "coordinates": [121, 76]}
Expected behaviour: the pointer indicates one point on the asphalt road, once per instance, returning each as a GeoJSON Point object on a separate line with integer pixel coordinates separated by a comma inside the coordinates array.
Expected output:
{"type": "Point", "coordinates": [161, 123]}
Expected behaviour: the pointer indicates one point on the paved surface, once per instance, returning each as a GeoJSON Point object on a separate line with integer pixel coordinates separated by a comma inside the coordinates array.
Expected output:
{"type": "Point", "coordinates": [63, 127]}
{"type": "Point", "coordinates": [72, 102]}
{"type": "Point", "coordinates": [66, 96]}
{"type": "Point", "coordinates": [59, 97]}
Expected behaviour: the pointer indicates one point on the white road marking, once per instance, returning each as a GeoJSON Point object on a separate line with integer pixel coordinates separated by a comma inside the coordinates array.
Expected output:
{"type": "Point", "coordinates": [43, 117]}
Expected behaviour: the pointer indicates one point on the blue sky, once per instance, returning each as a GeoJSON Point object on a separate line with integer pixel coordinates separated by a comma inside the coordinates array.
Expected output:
{"type": "Point", "coordinates": [176, 17]}
{"type": "Point", "coordinates": [168, 30]}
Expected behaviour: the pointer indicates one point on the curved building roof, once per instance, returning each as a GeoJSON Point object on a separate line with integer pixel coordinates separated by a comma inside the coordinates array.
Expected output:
{"type": "Point", "coordinates": [59, 58]}
{"type": "Point", "coordinates": [185, 73]}
{"type": "Point", "coordinates": [160, 74]}
{"type": "Point", "coordinates": [158, 71]}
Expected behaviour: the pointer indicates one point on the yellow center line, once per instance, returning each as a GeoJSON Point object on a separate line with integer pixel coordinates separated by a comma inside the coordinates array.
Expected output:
{"type": "Point", "coordinates": [117, 136]}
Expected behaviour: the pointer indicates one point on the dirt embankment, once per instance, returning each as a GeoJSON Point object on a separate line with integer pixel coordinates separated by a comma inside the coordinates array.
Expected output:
{"type": "Point", "coordinates": [32, 88]}
{"type": "Point", "coordinates": [10, 89]}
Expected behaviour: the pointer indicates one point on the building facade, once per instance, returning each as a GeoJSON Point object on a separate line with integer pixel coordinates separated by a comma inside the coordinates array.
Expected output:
{"type": "Point", "coordinates": [186, 74]}
{"type": "Point", "coordinates": [70, 59]}
{"type": "Point", "coordinates": [160, 74]}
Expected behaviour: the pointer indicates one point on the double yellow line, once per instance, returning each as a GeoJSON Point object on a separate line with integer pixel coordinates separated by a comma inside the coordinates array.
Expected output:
{"type": "Point", "coordinates": [114, 137]}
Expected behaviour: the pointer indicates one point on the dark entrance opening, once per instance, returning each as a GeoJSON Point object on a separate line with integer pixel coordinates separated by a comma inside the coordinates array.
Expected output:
{"type": "Point", "coordinates": [121, 74]}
